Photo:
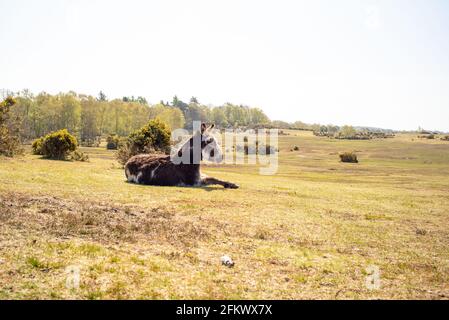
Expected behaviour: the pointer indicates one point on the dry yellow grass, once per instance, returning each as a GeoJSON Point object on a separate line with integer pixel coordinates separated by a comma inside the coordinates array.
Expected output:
{"type": "Point", "coordinates": [310, 231]}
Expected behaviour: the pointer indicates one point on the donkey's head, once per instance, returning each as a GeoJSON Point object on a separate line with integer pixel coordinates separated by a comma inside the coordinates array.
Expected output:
{"type": "Point", "coordinates": [210, 148]}
{"type": "Point", "coordinates": [203, 145]}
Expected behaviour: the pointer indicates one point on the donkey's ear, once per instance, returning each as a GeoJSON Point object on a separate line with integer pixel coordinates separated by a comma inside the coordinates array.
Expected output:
{"type": "Point", "coordinates": [212, 126]}
{"type": "Point", "coordinates": [203, 127]}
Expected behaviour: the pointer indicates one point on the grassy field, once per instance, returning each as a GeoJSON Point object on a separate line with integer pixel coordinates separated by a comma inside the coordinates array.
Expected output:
{"type": "Point", "coordinates": [311, 231]}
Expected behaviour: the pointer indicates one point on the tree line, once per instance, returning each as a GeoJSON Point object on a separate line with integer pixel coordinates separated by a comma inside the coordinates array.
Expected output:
{"type": "Point", "coordinates": [89, 117]}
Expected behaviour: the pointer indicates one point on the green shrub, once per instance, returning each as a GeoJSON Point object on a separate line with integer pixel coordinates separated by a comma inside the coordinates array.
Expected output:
{"type": "Point", "coordinates": [37, 146]}
{"type": "Point", "coordinates": [153, 137]}
{"type": "Point", "coordinates": [430, 136]}
{"type": "Point", "coordinates": [112, 142]}
{"type": "Point", "coordinates": [79, 156]}
{"type": "Point", "coordinates": [349, 157]}
{"type": "Point", "coordinates": [56, 145]}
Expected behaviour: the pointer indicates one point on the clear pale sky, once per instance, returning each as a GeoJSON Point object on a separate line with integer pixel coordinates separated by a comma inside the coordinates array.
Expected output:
{"type": "Point", "coordinates": [371, 63]}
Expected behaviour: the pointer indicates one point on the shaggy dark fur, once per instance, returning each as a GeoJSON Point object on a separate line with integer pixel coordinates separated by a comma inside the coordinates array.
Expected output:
{"type": "Point", "coordinates": [159, 170]}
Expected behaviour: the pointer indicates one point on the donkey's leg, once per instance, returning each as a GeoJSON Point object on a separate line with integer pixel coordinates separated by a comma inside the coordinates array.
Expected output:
{"type": "Point", "coordinates": [207, 181]}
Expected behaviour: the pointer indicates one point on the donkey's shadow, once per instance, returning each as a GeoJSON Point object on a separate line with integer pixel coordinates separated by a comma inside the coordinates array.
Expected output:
{"type": "Point", "coordinates": [205, 188]}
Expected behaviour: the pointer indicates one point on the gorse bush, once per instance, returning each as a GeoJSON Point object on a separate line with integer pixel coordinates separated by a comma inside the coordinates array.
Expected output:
{"type": "Point", "coordinates": [56, 145]}
{"type": "Point", "coordinates": [36, 146]}
{"type": "Point", "coordinates": [9, 130]}
{"type": "Point", "coordinates": [155, 134]}
{"type": "Point", "coordinates": [112, 142]}
{"type": "Point", "coordinates": [349, 157]}
{"type": "Point", "coordinates": [153, 137]}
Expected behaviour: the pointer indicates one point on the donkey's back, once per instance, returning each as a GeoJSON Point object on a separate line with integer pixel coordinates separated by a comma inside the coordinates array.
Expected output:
{"type": "Point", "coordinates": [159, 170]}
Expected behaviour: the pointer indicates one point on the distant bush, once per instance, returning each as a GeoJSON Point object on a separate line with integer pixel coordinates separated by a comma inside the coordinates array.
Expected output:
{"type": "Point", "coordinates": [56, 145]}
{"type": "Point", "coordinates": [112, 142]}
{"type": "Point", "coordinates": [79, 156]}
{"type": "Point", "coordinates": [357, 136]}
{"type": "Point", "coordinates": [295, 148]}
{"type": "Point", "coordinates": [10, 144]}
{"type": "Point", "coordinates": [445, 138]}
{"type": "Point", "coordinates": [349, 133]}
{"type": "Point", "coordinates": [427, 136]}
{"type": "Point", "coordinates": [153, 137]}
{"type": "Point", "coordinates": [349, 157]}
{"type": "Point", "coordinates": [36, 146]}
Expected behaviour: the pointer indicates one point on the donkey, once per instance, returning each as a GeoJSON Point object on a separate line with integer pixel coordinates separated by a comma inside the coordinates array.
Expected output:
{"type": "Point", "coordinates": [161, 170]}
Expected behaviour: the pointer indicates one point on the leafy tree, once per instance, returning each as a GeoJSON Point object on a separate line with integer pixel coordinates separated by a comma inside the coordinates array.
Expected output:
{"type": "Point", "coordinates": [323, 129]}
{"type": "Point", "coordinates": [175, 101]}
{"type": "Point", "coordinates": [315, 127]}
{"type": "Point", "coordinates": [280, 124]}
{"type": "Point", "coordinates": [139, 99]}
{"type": "Point", "coordinates": [173, 117]}
{"type": "Point", "coordinates": [22, 111]}
{"type": "Point", "coordinates": [70, 114]}
{"type": "Point", "coordinates": [9, 130]}
{"type": "Point", "coordinates": [90, 120]}
{"type": "Point", "coordinates": [347, 131]}
{"type": "Point", "coordinates": [219, 117]}
{"type": "Point", "coordinates": [102, 96]}
{"type": "Point", "coordinates": [332, 129]}
{"type": "Point", "coordinates": [193, 113]}
{"type": "Point", "coordinates": [257, 116]}
{"type": "Point", "coordinates": [142, 100]}
{"type": "Point", "coordinates": [194, 100]}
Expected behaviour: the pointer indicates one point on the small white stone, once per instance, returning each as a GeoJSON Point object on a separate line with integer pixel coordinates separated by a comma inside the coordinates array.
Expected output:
{"type": "Point", "coordinates": [227, 261]}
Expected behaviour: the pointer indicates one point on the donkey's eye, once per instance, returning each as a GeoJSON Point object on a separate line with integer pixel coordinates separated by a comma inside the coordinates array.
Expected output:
{"type": "Point", "coordinates": [209, 140]}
